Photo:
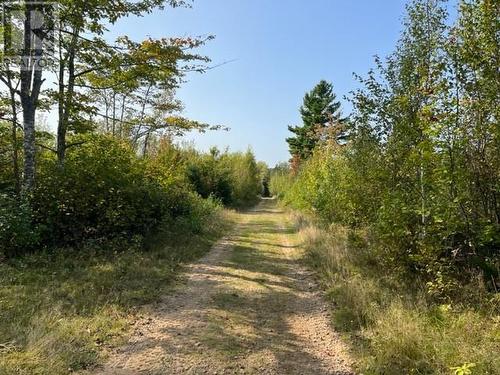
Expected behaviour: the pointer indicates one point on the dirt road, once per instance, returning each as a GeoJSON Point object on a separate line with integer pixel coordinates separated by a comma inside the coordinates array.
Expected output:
{"type": "Point", "coordinates": [247, 307]}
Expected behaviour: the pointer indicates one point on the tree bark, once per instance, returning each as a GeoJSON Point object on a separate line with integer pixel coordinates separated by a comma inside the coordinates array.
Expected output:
{"type": "Point", "coordinates": [66, 98]}
{"type": "Point", "coordinates": [28, 104]}
{"type": "Point", "coordinates": [15, 149]}
{"type": "Point", "coordinates": [29, 147]}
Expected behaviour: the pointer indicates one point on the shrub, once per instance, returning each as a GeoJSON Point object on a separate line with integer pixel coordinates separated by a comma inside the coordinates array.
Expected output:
{"type": "Point", "coordinates": [17, 231]}
{"type": "Point", "coordinates": [201, 215]}
{"type": "Point", "coordinates": [232, 178]}
{"type": "Point", "coordinates": [102, 191]}
{"type": "Point", "coordinates": [210, 177]}
{"type": "Point", "coordinates": [395, 329]}
{"type": "Point", "coordinates": [323, 187]}
{"type": "Point", "coordinates": [280, 180]}
{"type": "Point", "coordinates": [245, 178]}
{"type": "Point", "coordinates": [105, 191]}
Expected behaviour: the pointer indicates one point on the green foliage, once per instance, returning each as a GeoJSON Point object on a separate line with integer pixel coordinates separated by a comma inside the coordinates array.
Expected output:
{"type": "Point", "coordinates": [105, 191]}
{"type": "Point", "coordinates": [245, 177]}
{"type": "Point", "coordinates": [210, 177]}
{"type": "Point", "coordinates": [319, 110]}
{"type": "Point", "coordinates": [465, 369]}
{"type": "Point", "coordinates": [232, 178]}
{"type": "Point", "coordinates": [280, 180]}
{"type": "Point", "coordinates": [198, 216]}
{"type": "Point", "coordinates": [102, 191]}
{"type": "Point", "coordinates": [393, 326]}
{"type": "Point", "coordinates": [265, 176]}
{"type": "Point", "coordinates": [420, 168]}
{"type": "Point", "coordinates": [6, 174]}
{"type": "Point", "coordinates": [321, 187]}
{"type": "Point", "coordinates": [16, 226]}
{"type": "Point", "coordinates": [58, 309]}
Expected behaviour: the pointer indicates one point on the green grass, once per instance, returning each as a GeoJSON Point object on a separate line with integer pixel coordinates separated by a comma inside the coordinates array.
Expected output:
{"type": "Point", "coordinates": [395, 329]}
{"type": "Point", "coordinates": [59, 310]}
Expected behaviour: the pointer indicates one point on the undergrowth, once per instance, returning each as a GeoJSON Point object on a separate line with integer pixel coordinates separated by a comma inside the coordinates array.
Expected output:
{"type": "Point", "coordinates": [60, 309]}
{"type": "Point", "coordinates": [395, 327]}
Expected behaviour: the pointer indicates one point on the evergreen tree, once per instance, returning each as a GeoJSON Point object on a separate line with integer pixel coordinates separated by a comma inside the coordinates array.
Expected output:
{"type": "Point", "coordinates": [319, 109]}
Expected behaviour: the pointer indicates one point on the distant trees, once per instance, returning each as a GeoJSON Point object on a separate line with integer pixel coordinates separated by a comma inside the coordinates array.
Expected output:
{"type": "Point", "coordinates": [247, 178]}
{"type": "Point", "coordinates": [318, 111]}
{"type": "Point", "coordinates": [233, 178]}
{"type": "Point", "coordinates": [280, 179]}
{"type": "Point", "coordinates": [265, 175]}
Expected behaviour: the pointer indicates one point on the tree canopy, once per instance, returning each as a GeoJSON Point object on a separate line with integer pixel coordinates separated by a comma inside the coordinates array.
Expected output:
{"type": "Point", "coordinates": [319, 110]}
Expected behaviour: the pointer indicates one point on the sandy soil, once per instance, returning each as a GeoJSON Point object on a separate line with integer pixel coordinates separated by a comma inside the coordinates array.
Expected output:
{"type": "Point", "coordinates": [247, 307]}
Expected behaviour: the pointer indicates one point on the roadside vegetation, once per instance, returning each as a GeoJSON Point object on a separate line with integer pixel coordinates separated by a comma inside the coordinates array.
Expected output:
{"type": "Point", "coordinates": [398, 203]}
{"type": "Point", "coordinates": [392, 324]}
{"type": "Point", "coordinates": [401, 198]}
{"type": "Point", "coordinates": [62, 308]}
{"type": "Point", "coordinates": [99, 209]}
{"type": "Point", "coordinates": [102, 237]}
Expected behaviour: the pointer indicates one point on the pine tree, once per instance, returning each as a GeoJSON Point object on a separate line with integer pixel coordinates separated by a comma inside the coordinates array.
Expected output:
{"type": "Point", "coordinates": [319, 109]}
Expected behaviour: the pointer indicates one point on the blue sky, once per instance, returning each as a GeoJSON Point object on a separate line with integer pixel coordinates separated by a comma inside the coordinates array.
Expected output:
{"type": "Point", "coordinates": [281, 49]}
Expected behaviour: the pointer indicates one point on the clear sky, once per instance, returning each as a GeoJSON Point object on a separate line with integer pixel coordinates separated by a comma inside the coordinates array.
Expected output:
{"type": "Point", "coordinates": [281, 49]}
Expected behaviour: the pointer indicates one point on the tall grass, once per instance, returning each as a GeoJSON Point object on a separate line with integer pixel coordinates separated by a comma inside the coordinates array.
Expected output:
{"type": "Point", "coordinates": [59, 310]}
{"type": "Point", "coordinates": [395, 328]}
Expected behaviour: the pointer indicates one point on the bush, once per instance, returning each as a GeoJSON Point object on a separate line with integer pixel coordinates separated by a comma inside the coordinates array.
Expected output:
{"type": "Point", "coordinates": [201, 215]}
{"type": "Point", "coordinates": [245, 178]}
{"type": "Point", "coordinates": [323, 187]}
{"type": "Point", "coordinates": [280, 180]}
{"type": "Point", "coordinates": [210, 177]}
{"type": "Point", "coordinates": [16, 226]}
{"type": "Point", "coordinates": [395, 329]}
{"type": "Point", "coordinates": [101, 191]}
{"type": "Point", "coordinates": [232, 178]}
{"type": "Point", "coordinates": [105, 191]}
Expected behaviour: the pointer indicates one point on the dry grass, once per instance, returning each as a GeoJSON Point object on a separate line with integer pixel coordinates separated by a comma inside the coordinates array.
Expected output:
{"type": "Point", "coordinates": [60, 310]}
{"type": "Point", "coordinates": [394, 330]}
